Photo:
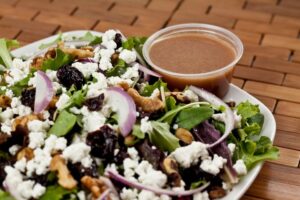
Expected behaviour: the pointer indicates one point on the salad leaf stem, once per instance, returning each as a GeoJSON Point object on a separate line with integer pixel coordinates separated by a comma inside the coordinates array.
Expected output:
{"type": "Point", "coordinates": [5, 57]}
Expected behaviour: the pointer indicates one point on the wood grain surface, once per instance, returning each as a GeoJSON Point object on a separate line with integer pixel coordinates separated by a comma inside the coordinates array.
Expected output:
{"type": "Point", "coordinates": [269, 68]}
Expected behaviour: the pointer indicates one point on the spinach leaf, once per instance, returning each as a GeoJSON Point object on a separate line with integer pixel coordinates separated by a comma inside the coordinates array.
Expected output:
{"type": "Point", "coordinates": [169, 116]}
{"type": "Point", "coordinates": [191, 117]}
{"type": "Point", "coordinates": [148, 89]}
{"type": "Point", "coordinates": [162, 137]}
{"type": "Point", "coordinates": [63, 124]}
{"type": "Point", "coordinates": [46, 45]}
{"type": "Point", "coordinates": [56, 192]}
{"type": "Point", "coordinates": [119, 69]}
{"type": "Point", "coordinates": [5, 195]}
{"type": "Point", "coordinates": [5, 57]}
{"type": "Point", "coordinates": [134, 42]}
{"type": "Point", "coordinates": [92, 39]}
{"type": "Point", "coordinates": [170, 103]}
{"type": "Point", "coordinates": [60, 60]}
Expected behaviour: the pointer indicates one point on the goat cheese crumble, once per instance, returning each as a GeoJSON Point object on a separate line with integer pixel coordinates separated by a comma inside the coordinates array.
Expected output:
{"type": "Point", "coordinates": [189, 155]}
{"type": "Point", "coordinates": [240, 167]}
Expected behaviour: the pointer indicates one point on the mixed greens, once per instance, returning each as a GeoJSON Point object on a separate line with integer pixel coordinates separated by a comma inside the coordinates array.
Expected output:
{"type": "Point", "coordinates": [84, 119]}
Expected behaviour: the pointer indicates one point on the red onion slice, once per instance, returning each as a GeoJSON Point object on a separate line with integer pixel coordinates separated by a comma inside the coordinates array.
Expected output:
{"type": "Point", "coordinates": [44, 92]}
{"type": "Point", "coordinates": [147, 72]}
{"type": "Point", "coordinates": [109, 184]}
{"type": "Point", "coordinates": [229, 119]}
{"type": "Point", "coordinates": [116, 176]}
{"type": "Point", "coordinates": [104, 195]}
{"type": "Point", "coordinates": [125, 108]}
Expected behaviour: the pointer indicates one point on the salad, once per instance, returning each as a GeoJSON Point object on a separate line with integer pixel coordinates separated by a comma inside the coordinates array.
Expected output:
{"type": "Point", "coordinates": [85, 118]}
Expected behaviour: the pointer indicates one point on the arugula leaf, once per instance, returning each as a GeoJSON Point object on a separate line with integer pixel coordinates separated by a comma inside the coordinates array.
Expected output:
{"type": "Point", "coordinates": [60, 59]}
{"type": "Point", "coordinates": [76, 97]}
{"type": "Point", "coordinates": [5, 57]}
{"type": "Point", "coordinates": [136, 131]}
{"type": "Point", "coordinates": [136, 43]}
{"type": "Point", "coordinates": [119, 69]}
{"type": "Point", "coordinates": [162, 137]}
{"type": "Point", "coordinates": [169, 116]}
{"type": "Point", "coordinates": [148, 89]}
{"type": "Point", "coordinates": [191, 117]}
{"type": "Point", "coordinates": [92, 39]}
{"type": "Point", "coordinates": [19, 86]}
{"type": "Point", "coordinates": [46, 45]}
{"type": "Point", "coordinates": [63, 124]}
{"type": "Point", "coordinates": [56, 192]}
{"type": "Point", "coordinates": [5, 195]}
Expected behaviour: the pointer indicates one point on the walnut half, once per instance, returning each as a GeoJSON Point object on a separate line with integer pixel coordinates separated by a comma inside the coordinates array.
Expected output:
{"type": "Point", "coordinates": [65, 179]}
{"type": "Point", "coordinates": [146, 103]}
{"type": "Point", "coordinates": [96, 186]}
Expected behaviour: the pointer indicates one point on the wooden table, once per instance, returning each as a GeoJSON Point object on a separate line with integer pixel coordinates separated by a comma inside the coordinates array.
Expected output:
{"type": "Point", "coordinates": [269, 68]}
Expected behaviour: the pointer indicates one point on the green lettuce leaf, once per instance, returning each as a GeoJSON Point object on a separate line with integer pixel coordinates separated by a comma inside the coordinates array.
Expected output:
{"type": "Point", "coordinates": [60, 60]}
{"type": "Point", "coordinates": [5, 195]}
{"type": "Point", "coordinates": [148, 89]}
{"type": "Point", "coordinates": [46, 45]}
{"type": "Point", "coordinates": [56, 192]}
{"type": "Point", "coordinates": [254, 151]}
{"type": "Point", "coordinates": [92, 39]}
{"type": "Point", "coordinates": [63, 124]}
{"type": "Point", "coordinates": [246, 109]}
{"type": "Point", "coordinates": [191, 117]}
{"type": "Point", "coordinates": [162, 137]}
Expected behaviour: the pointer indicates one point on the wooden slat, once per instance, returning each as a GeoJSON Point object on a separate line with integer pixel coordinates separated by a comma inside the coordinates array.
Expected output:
{"type": "Point", "coordinates": [27, 25]}
{"type": "Point", "coordinates": [258, 75]}
{"type": "Point", "coordinates": [287, 139]}
{"type": "Point", "coordinates": [288, 108]}
{"type": "Point", "coordinates": [288, 157]}
{"type": "Point", "coordinates": [277, 65]}
{"type": "Point", "coordinates": [258, 27]}
{"type": "Point", "coordinates": [280, 41]}
{"type": "Point", "coordinates": [268, 8]}
{"type": "Point", "coordinates": [241, 14]}
{"type": "Point", "coordinates": [292, 81]}
{"type": "Point", "coordinates": [274, 91]}
{"type": "Point", "coordinates": [238, 82]}
{"type": "Point", "coordinates": [286, 123]}
{"type": "Point", "coordinates": [267, 51]}
{"type": "Point", "coordinates": [65, 20]}
{"type": "Point", "coordinates": [273, 183]}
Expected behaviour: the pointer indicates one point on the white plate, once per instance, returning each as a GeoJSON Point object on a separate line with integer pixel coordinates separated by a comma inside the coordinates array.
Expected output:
{"type": "Point", "coordinates": [234, 93]}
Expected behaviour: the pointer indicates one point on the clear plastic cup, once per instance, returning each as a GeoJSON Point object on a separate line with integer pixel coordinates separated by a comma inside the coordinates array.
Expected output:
{"type": "Point", "coordinates": [216, 81]}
